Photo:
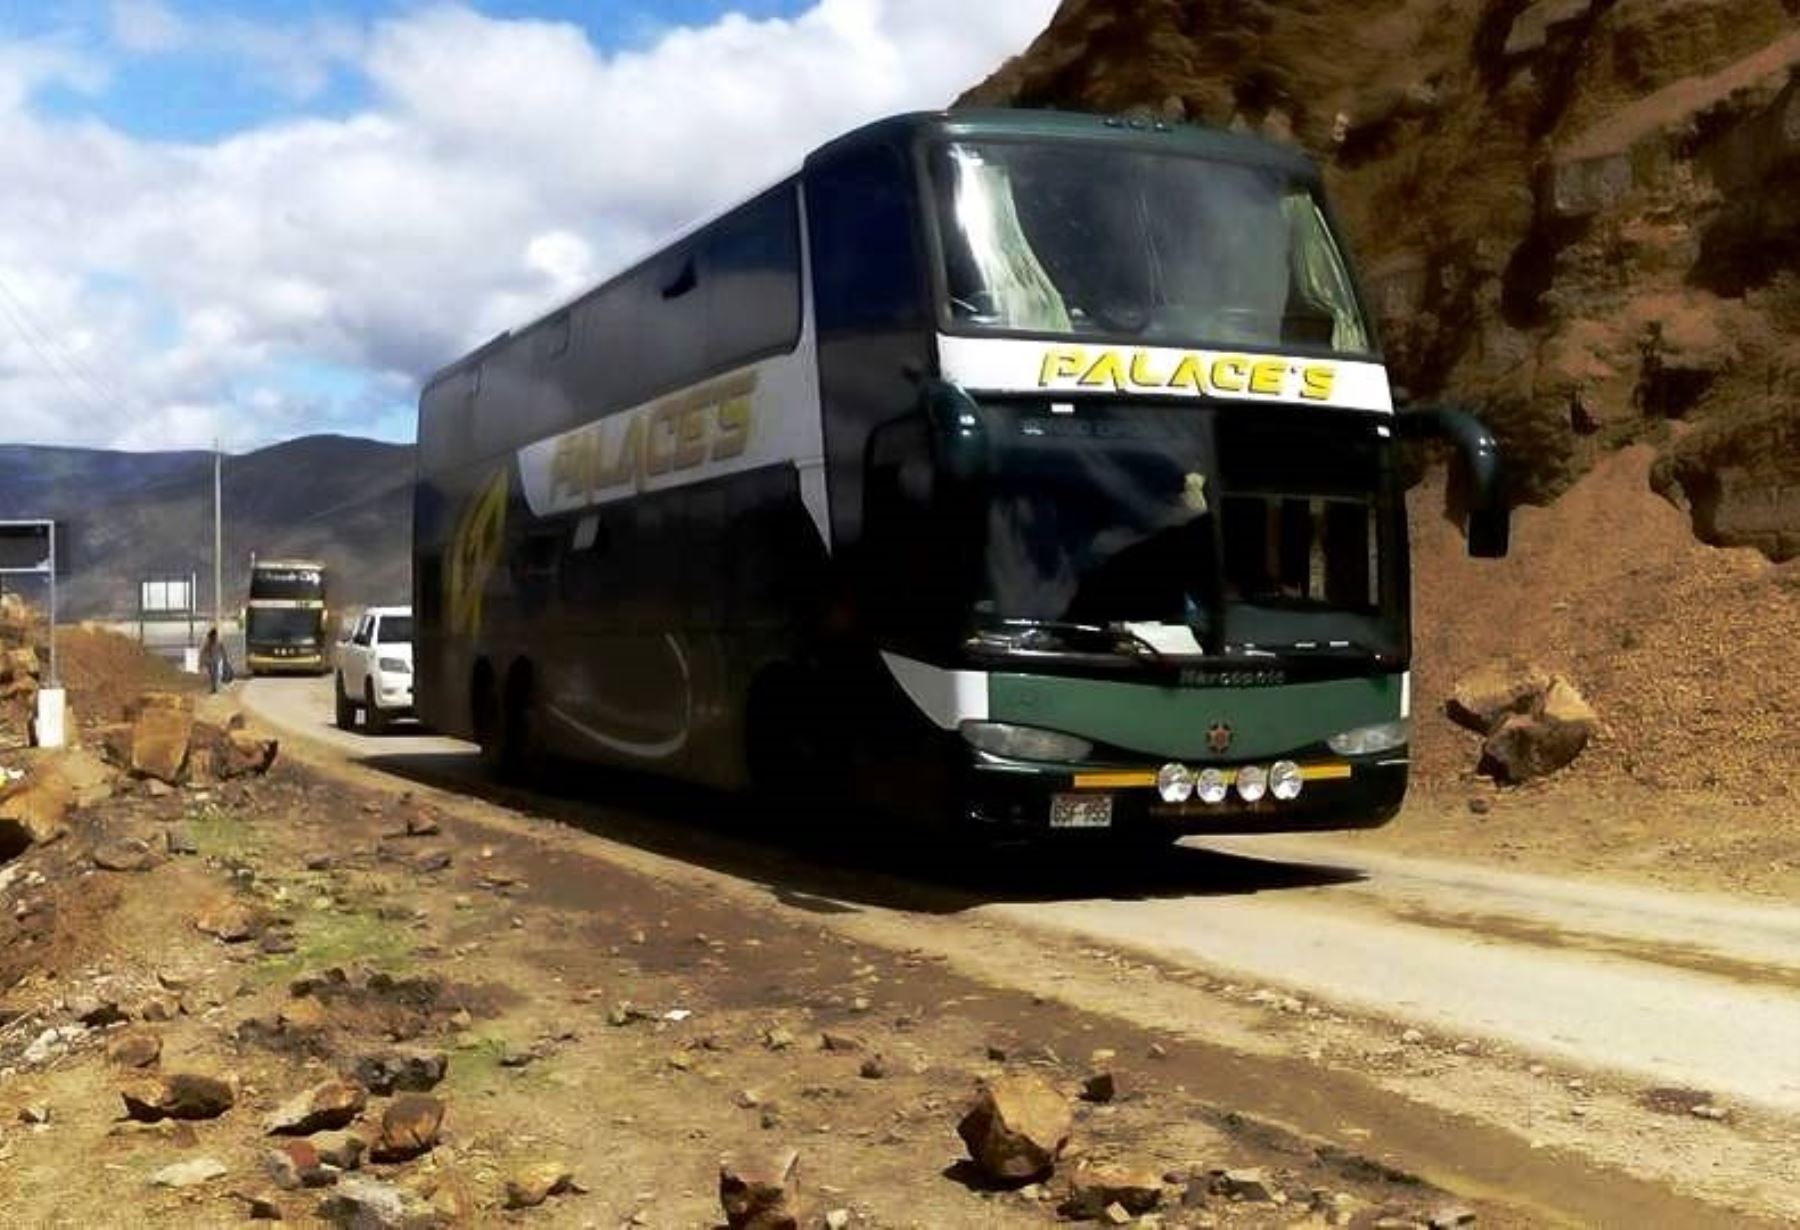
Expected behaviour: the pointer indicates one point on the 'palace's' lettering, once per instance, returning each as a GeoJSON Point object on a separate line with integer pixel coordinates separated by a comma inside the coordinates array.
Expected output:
{"type": "Point", "coordinates": [709, 425]}
{"type": "Point", "coordinates": [1075, 367]}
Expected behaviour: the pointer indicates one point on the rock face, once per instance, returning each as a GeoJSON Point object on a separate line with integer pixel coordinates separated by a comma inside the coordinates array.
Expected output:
{"type": "Point", "coordinates": [1016, 1128]}
{"type": "Point", "coordinates": [760, 1196]}
{"type": "Point", "coordinates": [1578, 215]}
{"type": "Point", "coordinates": [177, 1095]}
{"type": "Point", "coordinates": [1534, 723]}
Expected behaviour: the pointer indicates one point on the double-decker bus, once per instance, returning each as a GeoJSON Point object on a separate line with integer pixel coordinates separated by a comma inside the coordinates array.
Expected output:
{"type": "Point", "coordinates": [1019, 470]}
{"type": "Point", "coordinates": [286, 619]}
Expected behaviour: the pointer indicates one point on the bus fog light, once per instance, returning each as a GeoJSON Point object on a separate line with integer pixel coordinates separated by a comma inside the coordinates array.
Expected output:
{"type": "Point", "coordinates": [1285, 780]}
{"type": "Point", "coordinates": [1368, 740]}
{"type": "Point", "coordinates": [1211, 786]}
{"type": "Point", "coordinates": [1175, 783]}
{"type": "Point", "coordinates": [1252, 783]}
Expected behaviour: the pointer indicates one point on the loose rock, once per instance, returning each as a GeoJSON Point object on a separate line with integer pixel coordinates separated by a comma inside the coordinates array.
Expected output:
{"type": "Point", "coordinates": [1093, 1188]}
{"type": "Point", "coordinates": [123, 854]}
{"type": "Point", "coordinates": [1451, 1217]}
{"type": "Point", "coordinates": [533, 1185]}
{"type": "Point", "coordinates": [137, 1049]}
{"type": "Point", "coordinates": [874, 1068]}
{"type": "Point", "coordinates": [1482, 699]}
{"type": "Point", "coordinates": [409, 1128]}
{"type": "Point", "coordinates": [227, 919]}
{"type": "Point", "coordinates": [368, 1204]}
{"type": "Point", "coordinates": [177, 1095]}
{"type": "Point", "coordinates": [159, 739]}
{"type": "Point", "coordinates": [330, 1104]}
{"type": "Point", "coordinates": [1251, 1185]}
{"type": "Point", "coordinates": [178, 840]}
{"type": "Point", "coordinates": [343, 1150]}
{"type": "Point", "coordinates": [1099, 1087]}
{"type": "Point", "coordinates": [295, 1164]}
{"type": "Point", "coordinates": [1016, 1128]}
{"type": "Point", "coordinates": [401, 1071]}
{"type": "Point", "coordinates": [760, 1196]}
{"type": "Point", "coordinates": [189, 1174]}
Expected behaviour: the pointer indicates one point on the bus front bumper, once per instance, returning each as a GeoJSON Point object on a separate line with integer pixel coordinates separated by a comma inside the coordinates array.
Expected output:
{"type": "Point", "coordinates": [1044, 799]}
{"type": "Point", "coordinates": [276, 662]}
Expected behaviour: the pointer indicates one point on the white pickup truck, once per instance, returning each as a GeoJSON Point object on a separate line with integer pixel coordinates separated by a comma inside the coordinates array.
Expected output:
{"type": "Point", "coordinates": [374, 669]}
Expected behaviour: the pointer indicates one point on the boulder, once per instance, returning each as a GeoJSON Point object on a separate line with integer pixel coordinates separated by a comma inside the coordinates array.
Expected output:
{"type": "Point", "coordinates": [1093, 1188]}
{"type": "Point", "coordinates": [330, 1104]}
{"type": "Point", "coordinates": [1484, 697]}
{"type": "Point", "coordinates": [1016, 1128]}
{"type": "Point", "coordinates": [409, 1128]}
{"type": "Point", "coordinates": [1533, 745]}
{"type": "Point", "coordinates": [762, 1195]}
{"type": "Point", "coordinates": [227, 919]}
{"type": "Point", "coordinates": [239, 753]}
{"type": "Point", "coordinates": [177, 1095]}
{"type": "Point", "coordinates": [35, 811]}
{"type": "Point", "coordinates": [159, 742]}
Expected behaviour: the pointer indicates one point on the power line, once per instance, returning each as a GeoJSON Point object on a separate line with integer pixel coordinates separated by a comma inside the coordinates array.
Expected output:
{"type": "Point", "coordinates": [26, 325]}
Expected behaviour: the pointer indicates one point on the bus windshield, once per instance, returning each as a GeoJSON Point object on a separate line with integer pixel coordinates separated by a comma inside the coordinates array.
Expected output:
{"type": "Point", "coordinates": [283, 625]}
{"type": "Point", "coordinates": [1154, 248]}
{"type": "Point", "coordinates": [1282, 527]}
{"type": "Point", "coordinates": [287, 585]}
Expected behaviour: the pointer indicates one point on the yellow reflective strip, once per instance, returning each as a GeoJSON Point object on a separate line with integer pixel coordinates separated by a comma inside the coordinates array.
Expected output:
{"type": "Point", "coordinates": [1113, 781]}
{"type": "Point", "coordinates": [1325, 772]}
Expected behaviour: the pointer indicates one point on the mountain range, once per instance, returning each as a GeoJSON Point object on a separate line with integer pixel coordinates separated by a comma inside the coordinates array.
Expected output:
{"type": "Point", "coordinates": [126, 517]}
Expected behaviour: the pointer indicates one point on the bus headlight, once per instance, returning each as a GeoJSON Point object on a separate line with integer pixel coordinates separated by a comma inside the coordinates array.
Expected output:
{"type": "Point", "coordinates": [1367, 740]}
{"type": "Point", "coordinates": [1252, 783]}
{"type": "Point", "coordinates": [1285, 780]}
{"type": "Point", "coordinates": [1175, 783]}
{"type": "Point", "coordinates": [1210, 786]}
{"type": "Point", "coordinates": [1024, 742]}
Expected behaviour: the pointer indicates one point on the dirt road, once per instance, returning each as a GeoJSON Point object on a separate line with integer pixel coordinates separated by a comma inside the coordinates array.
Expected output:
{"type": "Point", "coordinates": [1504, 1034]}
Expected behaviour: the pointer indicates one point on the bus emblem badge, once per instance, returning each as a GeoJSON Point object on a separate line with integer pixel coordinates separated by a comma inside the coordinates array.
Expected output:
{"type": "Point", "coordinates": [1218, 738]}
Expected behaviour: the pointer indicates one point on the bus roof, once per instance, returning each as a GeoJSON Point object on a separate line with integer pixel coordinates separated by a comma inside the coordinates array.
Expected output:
{"type": "Point", "coordinates": [288, 563]}
{"type": "Point", "coordinates": [975, 123]}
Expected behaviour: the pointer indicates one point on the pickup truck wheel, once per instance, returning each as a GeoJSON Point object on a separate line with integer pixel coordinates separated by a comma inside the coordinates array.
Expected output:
{"type": "Point", "coordinates": [346, 709]}
{"type": "Point", "coordinates": [375, 719]}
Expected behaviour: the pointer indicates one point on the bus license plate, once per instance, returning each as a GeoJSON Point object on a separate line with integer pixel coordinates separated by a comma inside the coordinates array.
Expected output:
{"type": "Point", "coordinates": [1081, 811]}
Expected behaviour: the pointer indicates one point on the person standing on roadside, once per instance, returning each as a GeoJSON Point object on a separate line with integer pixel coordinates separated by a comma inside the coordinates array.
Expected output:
{"type": "Point", "coordinates": [214, 662]}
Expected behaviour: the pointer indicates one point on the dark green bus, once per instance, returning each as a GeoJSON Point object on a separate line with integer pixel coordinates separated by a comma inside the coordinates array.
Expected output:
{"type": "Point", "coordinates": [1017, 471]}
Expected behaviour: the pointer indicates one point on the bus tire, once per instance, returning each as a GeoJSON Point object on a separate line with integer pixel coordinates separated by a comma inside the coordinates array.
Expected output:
{"type": "Point", "coordinates": [522, 745]}
{"type": "Point", "coordinates": [485, 717]}
{"type": "Point", "coordinates": [373, 717]}
{"type": "Point", "coordinates": [798, 766]}
{"type": "Point", "coordinates": [346, 708]}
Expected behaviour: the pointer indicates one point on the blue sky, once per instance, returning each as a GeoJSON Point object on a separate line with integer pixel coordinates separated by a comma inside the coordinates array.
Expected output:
{"type": "Point", "coordinates": [261, 220]}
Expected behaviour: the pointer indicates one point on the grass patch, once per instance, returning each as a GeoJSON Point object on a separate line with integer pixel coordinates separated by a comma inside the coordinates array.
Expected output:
{"type": "Point", "coordinates": [221, 835]}
{"type": "Point", "coordinates": [475, 1068]}
{"type": "Point", "coordinates": [347, 938]}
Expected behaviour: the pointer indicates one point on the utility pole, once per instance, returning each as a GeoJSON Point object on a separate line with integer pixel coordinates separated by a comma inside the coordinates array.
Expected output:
{"type": "Point", "coordinates": [218, 542]}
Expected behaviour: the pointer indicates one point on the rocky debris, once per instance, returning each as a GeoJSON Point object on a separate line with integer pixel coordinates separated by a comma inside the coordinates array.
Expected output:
{"type": "Point", "coordinates": [777, 1038]}
{"type": "Point", "coordinates": [1451, 1217]}
{"type": "Point", "coordinates": [875, 1068]}
{"type": "Point", "coordinates": [401, 1071]}
{"type": "Point", "coordinates": [178, 1095]}
{"type": "Point", "coordinates": [259, 1206]}
{"type": "Point", "coordinates": [97, 1006]}
{"type": "Point", "coordinates": [296, 1164]}
{"type": "Point", "coordinates": [159, 738]}
{"type": "Point", "coordinates": [1533, 722]}
{"type": "Point", "coordinates": [330, 1104]}
{"type": "Point", "coordinates": [409, 1128]}
{"type": "Point", "coordinates": [837, 1219]}
{"type": "Point", "coordinates": [1099, 1087]}
{"type": "Point", "coordinates": [842, 1044]}
{"type": "Point", "coordinates": [123, 854]}
{"type": "Point", "coordinates": [423, 824]}
{"type": "Point", "coordinates": [239, 753]}
{"type": "Point", "coordinates": [34, 1114]}
{"type": "Point", "coordinates": [432, 861]}
{"type": "Point", "coordinates": [319, 862]}
{"type": "Point", "coordinates": [190, 1173]}
{"type": "Point", "coordinates": [1016, 1128]}
{"type": "Point", "coordinates": [51, 1043]}
{"type": "Point", "coordinates": [343, 1150]}
{"type": "Point", "coordinates": [530, 1186]}
{"type": "Point", "coordinates": [762, 1195]}
{"type": "Point", "coordinates": [369, 1204]}
{"type": "Point", "coordinates": [227, 919]}
{"type": "Point", "coordinates": [1093, 1188]}
{"type": "Point", "coordinates": [278, 942]}
{"type": "Point", "coordinates": [179, 840]}
{"type": "Point", "coordinates": [137, 1049]}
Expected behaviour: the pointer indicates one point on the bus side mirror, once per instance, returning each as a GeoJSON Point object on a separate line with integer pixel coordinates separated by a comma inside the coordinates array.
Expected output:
{"type": "Point", "coordinates": [1489, 526]}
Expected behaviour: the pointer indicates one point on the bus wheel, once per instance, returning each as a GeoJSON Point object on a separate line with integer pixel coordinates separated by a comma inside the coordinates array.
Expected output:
{"type": "Point", "coordinates": [373, 717]}
{"type": "Point", "coordinates": [346, 710]}
{"type": "Point", "coordinates": [521, 758]}
{"type": "Point", "coordinates": [484, 712]}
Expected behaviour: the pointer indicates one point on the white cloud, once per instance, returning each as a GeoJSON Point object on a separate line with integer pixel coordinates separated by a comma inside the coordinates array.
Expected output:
{"type": "Point", "coordinates": [499, 167]}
